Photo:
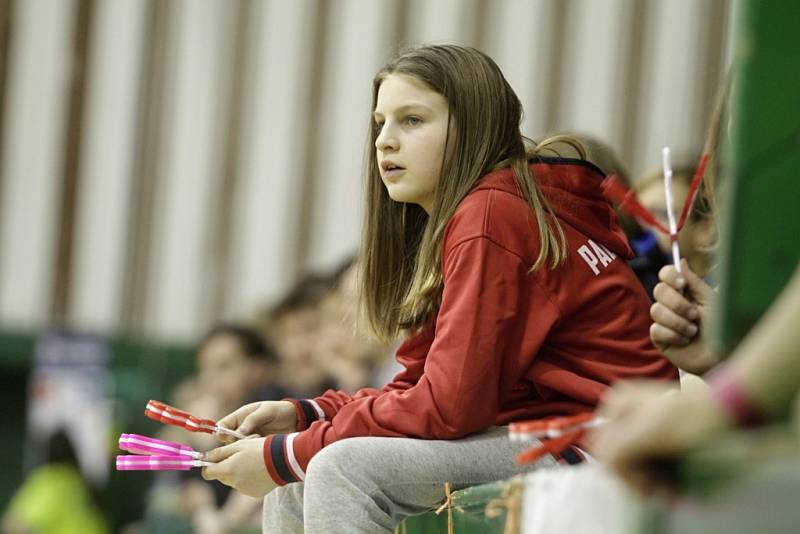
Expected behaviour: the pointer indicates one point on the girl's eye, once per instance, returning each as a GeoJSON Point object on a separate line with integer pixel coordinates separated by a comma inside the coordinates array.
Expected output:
{"type": "Point", "coordinates": [378, 127]}
{"type": "Point", "coordinates": [413, 121]}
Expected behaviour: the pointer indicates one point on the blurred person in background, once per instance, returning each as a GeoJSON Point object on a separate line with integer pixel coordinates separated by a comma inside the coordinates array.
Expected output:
{"type": "Point", "coordinates": [293, 325]}
{"type": "Point", "coordinates": [344, 350]}
{"type": "Point", "coordinates": [652, 426]}
{"type": "Point", "coordinates": [758, 382]}
{"type": "Point", "coordinates": [235, 365]}
{"type": "Point", "coordinates": [55, 498]}
{"type": "Point", "coordinates": [699, 234]}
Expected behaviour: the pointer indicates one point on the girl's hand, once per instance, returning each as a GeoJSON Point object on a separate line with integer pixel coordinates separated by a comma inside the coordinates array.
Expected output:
{"type": "Point", "coordinates": [680, 312]}
{"type": "Point", "coordinates": [262, 418]}
{"type": "Point", "coordinates": [241, 466]}
{"type": "Point", "coordinates": [649, 428]}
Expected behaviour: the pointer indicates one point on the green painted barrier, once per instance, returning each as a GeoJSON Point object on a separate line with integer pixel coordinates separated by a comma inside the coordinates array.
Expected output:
{"type": "Point", "coordinates": [478, 509]}
{"type": "Point", "coordinates": [760, 231]}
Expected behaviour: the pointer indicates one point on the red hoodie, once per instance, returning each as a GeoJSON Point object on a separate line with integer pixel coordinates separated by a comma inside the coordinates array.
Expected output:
{"type": "Point", "coordinates": [506, 344]}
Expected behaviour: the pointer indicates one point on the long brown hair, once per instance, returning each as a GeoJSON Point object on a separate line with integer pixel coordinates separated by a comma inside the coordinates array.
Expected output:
{"type": "Point", "coordinates": [402, 245]}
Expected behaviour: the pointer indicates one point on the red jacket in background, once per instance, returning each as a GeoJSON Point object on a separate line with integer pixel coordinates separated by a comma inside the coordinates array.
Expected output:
{"type": "Point", "coordinates": [506, 344]}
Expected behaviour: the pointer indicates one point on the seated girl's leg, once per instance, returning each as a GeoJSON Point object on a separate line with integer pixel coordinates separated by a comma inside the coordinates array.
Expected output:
{"type": "Point", "coordinates": [283, 510]}
{"type": "Point", "coordinates": [371, 484]}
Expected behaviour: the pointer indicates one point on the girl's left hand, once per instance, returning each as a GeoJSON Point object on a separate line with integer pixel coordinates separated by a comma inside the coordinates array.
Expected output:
{"type": "Point", "coordinates": [240, 465]}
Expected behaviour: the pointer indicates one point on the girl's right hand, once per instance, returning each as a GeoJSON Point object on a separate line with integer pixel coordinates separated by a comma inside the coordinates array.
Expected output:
{"type": "Point", "coordinates": [261, 418]}
{"type": "Point", "coordinates": [680, 313]}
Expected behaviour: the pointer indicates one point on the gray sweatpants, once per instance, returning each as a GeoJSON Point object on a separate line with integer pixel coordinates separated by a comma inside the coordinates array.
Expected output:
{"type": "Point", "coordinates": [371, 484]}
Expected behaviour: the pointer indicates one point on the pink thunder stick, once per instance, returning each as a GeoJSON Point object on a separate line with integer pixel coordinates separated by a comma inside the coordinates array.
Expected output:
{"type": "Point", "coordinates": [164, 413]}
{"type": "Point", "coordinates": [144, 445]}
{"type": "Point", "coordinates": [158, 463]}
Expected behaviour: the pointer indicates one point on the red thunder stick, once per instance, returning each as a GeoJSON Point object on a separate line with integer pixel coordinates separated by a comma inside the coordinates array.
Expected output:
{"type": "Point", "coordinates": [170, 415]}
{"type": "Point", "coordinates": [615, 191]}
{"type": "Point", "coordinates": [553, 446]}
{"type": "Point", "coordinates": [188, 421]}
{"type": "Point", "coordinates": [552, 427]}
{"type": "Point", "coordinates": [155, 410]}
{"type": "Point", "coordinates": [556, 433]}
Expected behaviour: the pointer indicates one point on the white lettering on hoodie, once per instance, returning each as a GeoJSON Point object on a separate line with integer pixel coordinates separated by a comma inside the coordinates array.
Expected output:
{"type": "Point", "coordinates": [597, 254]}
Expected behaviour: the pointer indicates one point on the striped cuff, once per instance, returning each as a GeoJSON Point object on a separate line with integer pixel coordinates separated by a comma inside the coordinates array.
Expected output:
{"type": "Point", "coordinates": [280, 461]}
{"type": "Point", "coordinates": [308, 411]}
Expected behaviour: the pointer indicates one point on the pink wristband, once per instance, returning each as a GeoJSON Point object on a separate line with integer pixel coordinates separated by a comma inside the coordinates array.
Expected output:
{"type": "Point", "coordinates": [734, 399]}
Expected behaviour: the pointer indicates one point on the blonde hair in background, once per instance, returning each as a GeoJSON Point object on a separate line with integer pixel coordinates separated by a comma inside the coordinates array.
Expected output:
{"type": "Point", "coordinates": [711, 147]}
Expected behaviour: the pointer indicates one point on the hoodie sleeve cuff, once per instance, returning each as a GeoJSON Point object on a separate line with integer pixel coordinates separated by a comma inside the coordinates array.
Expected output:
{"type": "Point", "coordinates": [308, 411]}
{"type": "Point", "coordinates": [280, 460]}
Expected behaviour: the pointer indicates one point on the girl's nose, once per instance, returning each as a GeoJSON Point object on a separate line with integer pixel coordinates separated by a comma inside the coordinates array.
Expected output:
{"type": "Point", "coordinates": [386, 140]}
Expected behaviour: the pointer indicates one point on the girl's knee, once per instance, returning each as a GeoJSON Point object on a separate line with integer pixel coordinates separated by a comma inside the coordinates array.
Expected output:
{"type": "Point", "coordinates": [337, 460]}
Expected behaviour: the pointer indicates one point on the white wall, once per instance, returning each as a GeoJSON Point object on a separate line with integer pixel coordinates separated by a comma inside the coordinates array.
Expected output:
{"type": "Point", "coordinates": [296, 178]}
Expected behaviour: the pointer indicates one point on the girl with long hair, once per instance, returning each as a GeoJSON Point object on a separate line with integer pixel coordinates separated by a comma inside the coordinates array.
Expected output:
{"type": "Point", "coordinates": [503, 267]}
